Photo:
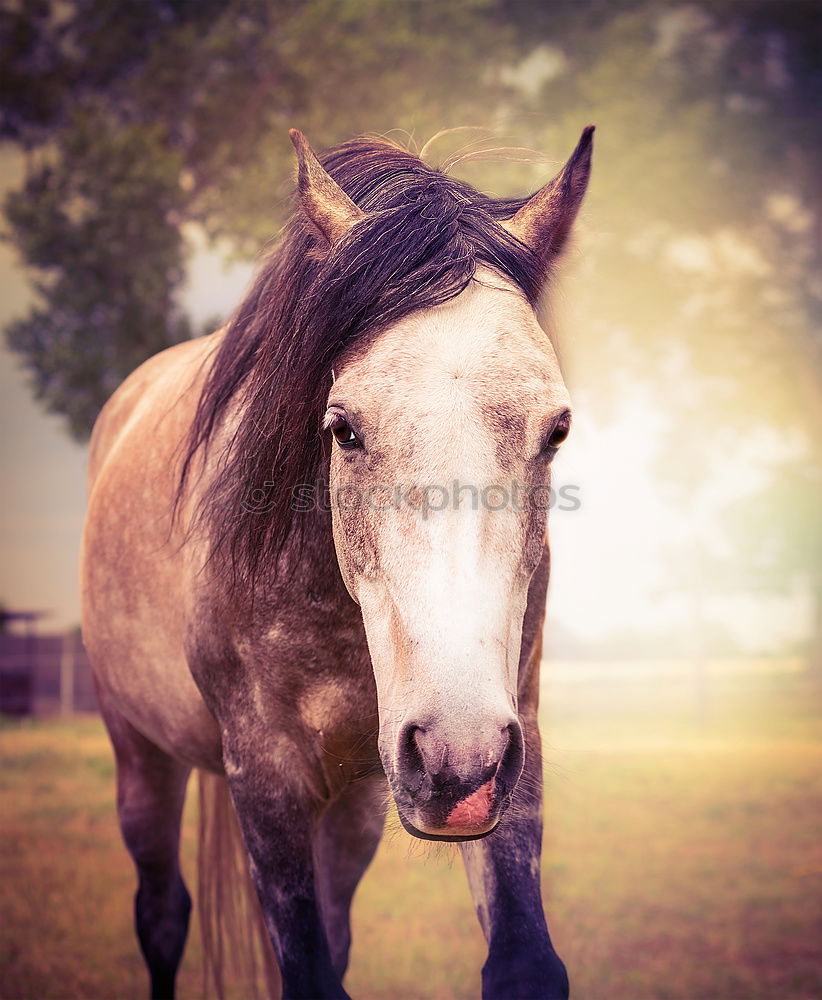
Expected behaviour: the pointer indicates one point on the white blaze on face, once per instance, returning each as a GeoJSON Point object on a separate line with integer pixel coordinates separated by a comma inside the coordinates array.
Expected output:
{"type": "Point", "coordinates": [450, 407]}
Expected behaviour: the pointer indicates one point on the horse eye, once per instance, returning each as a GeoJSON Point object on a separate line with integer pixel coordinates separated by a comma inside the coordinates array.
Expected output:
{"type": "Point", "coordinates": [343, 432]}
{"type": "Point", "coordinates": [559, 432]}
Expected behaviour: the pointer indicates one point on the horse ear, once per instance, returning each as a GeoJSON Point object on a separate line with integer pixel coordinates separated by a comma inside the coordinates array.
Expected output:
{"type": "Point", "coordinates": [545, 220]}
{"type": "Point", "coordinates": [322, 199]}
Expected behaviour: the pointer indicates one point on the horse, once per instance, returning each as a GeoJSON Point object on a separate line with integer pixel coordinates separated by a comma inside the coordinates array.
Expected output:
{"type": "Point", "coordinates": [299, 577]}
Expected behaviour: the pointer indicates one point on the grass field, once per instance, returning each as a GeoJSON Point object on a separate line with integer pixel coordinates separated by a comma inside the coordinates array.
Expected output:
{"type": "Point", "coordinates": [683, 859]}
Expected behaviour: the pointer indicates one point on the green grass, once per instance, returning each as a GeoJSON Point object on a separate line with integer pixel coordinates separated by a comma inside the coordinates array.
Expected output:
{"type": "Point", "coordinates": [683, 861]}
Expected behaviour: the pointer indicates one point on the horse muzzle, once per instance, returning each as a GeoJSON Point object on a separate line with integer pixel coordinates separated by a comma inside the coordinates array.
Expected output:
{"type": "Point", "coordinates": [455, 790]}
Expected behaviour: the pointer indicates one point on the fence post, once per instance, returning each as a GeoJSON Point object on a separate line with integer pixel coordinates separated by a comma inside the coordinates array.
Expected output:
{"type": "Point", "coordinates": [67, 659]}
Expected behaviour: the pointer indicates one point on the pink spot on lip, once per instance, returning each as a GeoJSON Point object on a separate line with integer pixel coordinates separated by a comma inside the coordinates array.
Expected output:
{"type": "Point", "coordinates": [473, 811]}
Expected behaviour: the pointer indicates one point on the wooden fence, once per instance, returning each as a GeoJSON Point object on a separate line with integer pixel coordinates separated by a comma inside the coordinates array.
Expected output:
{"type": "Point", "coordinates": [45, 675]}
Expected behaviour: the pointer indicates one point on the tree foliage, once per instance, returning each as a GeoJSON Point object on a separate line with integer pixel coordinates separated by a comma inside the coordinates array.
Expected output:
{"type": "Point", "coordinates": [140, 116]}
{"type": "Point", "coordinates": [708, 174]}
{"type": "Point", "coordinates": [97, 221]}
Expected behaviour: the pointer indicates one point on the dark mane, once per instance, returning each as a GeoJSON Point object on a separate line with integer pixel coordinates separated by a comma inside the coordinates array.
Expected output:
{"type": "Point", "coordinates": [424, 235]}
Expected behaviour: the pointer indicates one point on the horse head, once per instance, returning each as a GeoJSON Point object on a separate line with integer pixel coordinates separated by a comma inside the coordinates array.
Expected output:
{"type": "Point", "coordinates": [444, 424]}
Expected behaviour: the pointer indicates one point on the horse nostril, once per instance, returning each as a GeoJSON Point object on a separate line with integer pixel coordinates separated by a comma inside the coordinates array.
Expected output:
{"type": "Point", "coordinates": [409, 756]}
{"type": "Point", "coordinates": [424, 757]}
{"type": "Point", "coordinates": [513, 757]}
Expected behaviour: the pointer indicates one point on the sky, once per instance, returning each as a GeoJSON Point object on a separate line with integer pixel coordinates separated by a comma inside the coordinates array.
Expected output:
{"type": "Point", "coordinates": [609, 572]}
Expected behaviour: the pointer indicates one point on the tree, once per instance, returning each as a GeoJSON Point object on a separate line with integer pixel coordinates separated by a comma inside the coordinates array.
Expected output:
{"type": "Point", "coordinates": [97, 221]}
{"type": "Point", "coordinates": [140, 117]}
{"type": "Point", "coordinates": [707, 181]}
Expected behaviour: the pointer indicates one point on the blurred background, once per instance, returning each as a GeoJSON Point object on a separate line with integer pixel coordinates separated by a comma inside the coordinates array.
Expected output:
{"type": "Point", "coordinates": [144, 164]}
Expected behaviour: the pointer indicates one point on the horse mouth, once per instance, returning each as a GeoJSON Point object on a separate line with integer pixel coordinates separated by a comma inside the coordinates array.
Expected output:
{"type": "Point", "coordinates": [444, 837]}
{"type": "Point", "coordinates": [472, 817]}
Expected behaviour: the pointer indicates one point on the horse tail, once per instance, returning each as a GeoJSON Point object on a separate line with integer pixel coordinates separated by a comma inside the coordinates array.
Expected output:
{"type": "Point", "coordinates": [236, 945]}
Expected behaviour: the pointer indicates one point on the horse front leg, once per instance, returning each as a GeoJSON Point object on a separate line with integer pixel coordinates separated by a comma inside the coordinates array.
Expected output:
{"type": "Point", "coordinates": [504, 875]}
{"type": "Point", "coordinates": [347, 838]}
{"type": "Point", "coordinates": [278, 818]}
{"type": "Point", "coordinates": [150, 794]}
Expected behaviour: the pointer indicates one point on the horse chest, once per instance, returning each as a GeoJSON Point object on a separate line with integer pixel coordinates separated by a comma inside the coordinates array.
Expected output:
{"type": "Point", "coordinates": [299, 678]}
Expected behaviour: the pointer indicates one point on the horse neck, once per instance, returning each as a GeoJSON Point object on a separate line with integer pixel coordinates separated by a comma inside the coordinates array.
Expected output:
{"type": "Point", "coordinates": [307, 572]}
